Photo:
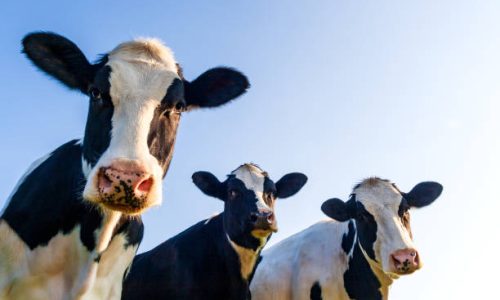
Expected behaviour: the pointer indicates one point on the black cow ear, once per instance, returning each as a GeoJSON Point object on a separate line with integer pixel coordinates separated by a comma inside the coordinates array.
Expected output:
{"type": "Point", "coordinates": [215, 87]}
{"type": "Point", "coordinates": [424, 194]}
{"type": "Point", "coordinates": [208, 184]}
{"type": "Point", "coordinates": [60, 58]}
{"type": "Point", "coordinates": [337, 209]}
{"type": "Point", "coordinates": [290, 184]}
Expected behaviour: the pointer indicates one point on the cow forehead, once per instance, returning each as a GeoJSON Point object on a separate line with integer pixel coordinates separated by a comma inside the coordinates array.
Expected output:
{"type": "Point", "coordinates": [148, 51]}
{"type": "Point", "coordinates": [376, 192]}
{"type": "Point", "coordinates": [252, 177]}
{"type": "Point", "coordinates": [142, 69]}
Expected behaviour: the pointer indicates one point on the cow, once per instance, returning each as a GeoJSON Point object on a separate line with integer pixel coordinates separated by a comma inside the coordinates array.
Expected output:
{"type": "Point", "coordinates": [357, 255]}
{"type": "Point", "coordinates": [215, 258]}
{"type": "Point", "coordinates": [71, 226]}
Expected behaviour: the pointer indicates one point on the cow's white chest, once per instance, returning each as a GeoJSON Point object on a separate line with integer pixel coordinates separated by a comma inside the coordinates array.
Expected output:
{"type": "Point", "coordinates": [63, 269]}
{"type": "Point", "coordinates": [111, 269]}
{"type": "Point", "coordinates": [46, 272]}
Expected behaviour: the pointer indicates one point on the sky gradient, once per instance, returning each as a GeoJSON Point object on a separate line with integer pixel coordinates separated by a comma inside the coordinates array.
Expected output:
{"type": "Point", "coordinates": [341, 90]}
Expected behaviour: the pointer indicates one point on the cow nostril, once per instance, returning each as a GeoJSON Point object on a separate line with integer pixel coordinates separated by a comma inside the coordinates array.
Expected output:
{"type": "Point", "coordinates": [413, 253]}
{"type": "Point", "coordinates": [145, 185]}
{"type": "Point", "coordinates": [254, 217]}
{"type": "Point", "coordinates": [270, 218]}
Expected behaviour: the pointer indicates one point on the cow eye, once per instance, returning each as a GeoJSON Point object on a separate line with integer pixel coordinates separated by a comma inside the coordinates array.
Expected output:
{"type": "Point", "coordinates": [180, 106]}
{"type": "Point", "coordinates": [95, 93]}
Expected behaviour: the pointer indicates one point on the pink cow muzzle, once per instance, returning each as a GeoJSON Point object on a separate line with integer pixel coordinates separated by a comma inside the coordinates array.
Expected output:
{"type": "Point", "coordinates": [124, 186]}
{"type": "Point", "coordinates": [405, 261]}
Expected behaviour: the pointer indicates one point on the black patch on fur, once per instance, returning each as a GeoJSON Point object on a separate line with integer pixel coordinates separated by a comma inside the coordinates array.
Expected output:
{"type": "Point", "coordinates": [133, 228]}
{"type": "Point", "coordinates": [49, 201]}
{"type": "Point", "coordinates": [97, 259]}
{"type": "Point", "coordinates": [215, 87]}
{"type": "Point", "coordinates": [237, 214]}
{"type": "Point", "coordinates": [316, 292]}
{"type": "Point", "coordinates": [359, 280]}
{"type": "Point", "coordinates": [60, 58]}
{"type": "Point", "coordinates": [98, 128]}
{"type": "Point", "coordinates": [163, 127]}
{"type": "Point", "coordinates": [348, 239]}
{"type": "Point", "coordinates": [366, 229]}
{"type": "Point", "coordinates": [198, 263]}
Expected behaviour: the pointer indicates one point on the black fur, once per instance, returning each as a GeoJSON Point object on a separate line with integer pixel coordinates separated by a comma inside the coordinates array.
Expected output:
{"type": "Point", "coordinates": [215, 87]}
{"type": "Point", "coordinates": [423, 194]}
{"type": "Point", "coordinates": [60, 58]}
{"type": "Point", "coordinates": [348, 239]}
{"type": "Point", "coordinates": [315, 293]}
{"type": "Point", "coordinates": [49, 201]}
{"type": "Point", "coordinates": [359, 280]}
{"type": "Point", "coordinates": [366, 227]}
{"type": "Point", "coordinates": [198, 263]}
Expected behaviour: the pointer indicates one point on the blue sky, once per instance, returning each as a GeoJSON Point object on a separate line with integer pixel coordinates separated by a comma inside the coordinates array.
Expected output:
{"type": "Point", "coordinates": [341, 90]}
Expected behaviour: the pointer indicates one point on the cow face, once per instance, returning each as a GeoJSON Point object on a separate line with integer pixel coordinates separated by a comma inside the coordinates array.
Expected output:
{"type": "Point", "coordinates": [382, 218]}
{"type": "Point", "coordinates": [249, 196]}
{"type": "Point", "coordinates": [137, 95]}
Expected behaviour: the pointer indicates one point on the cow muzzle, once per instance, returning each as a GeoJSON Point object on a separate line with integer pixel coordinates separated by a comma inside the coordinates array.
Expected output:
{"type": "Point", "coordinates": [124, 186]}
{"type": "Point", "coordinates": [264, 223]}
{"type": "Point", "coordinates": [405, 261]}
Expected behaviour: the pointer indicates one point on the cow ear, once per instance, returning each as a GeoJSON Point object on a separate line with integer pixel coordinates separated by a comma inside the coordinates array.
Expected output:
{"type": "Point", "coordinates": [290, 184]}
{"type": "Point", "coordinates": [338, 209]}
{"type": "Point", "coordinates": [60, 58]}
{"type": "Point", "coordinates": [215, 87]}
{"type": "Point", "coordinates": [208, 184]}
{"type": "Point", "coordinates": [423, 194]}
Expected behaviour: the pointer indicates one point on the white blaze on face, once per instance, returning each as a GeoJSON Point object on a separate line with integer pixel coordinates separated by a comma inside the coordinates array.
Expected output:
{"type": "Point", "coordinates": [253, 178]}
{"type": "Point", "coordinates": [382, 201]}
{"type": "Point", "coordinates": [141, 73]}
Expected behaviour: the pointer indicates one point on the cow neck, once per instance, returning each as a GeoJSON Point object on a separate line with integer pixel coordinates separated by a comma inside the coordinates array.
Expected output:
{"type": "Point", "coordinates": [384, 279]}
{"type": "Point", "coordinates": [247, 258]}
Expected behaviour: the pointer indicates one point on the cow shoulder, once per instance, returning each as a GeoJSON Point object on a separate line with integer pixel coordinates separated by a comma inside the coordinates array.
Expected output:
{"type": "Point", "coordinates": [46, 202]}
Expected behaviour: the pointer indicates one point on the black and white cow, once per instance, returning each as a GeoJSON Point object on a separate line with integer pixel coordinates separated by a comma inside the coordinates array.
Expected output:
{"type": "Point", "coordinates": [67, 230]}
{"type": "Point", "coordinates": [355, 256]}
{"type": "Point", "coordinates": [215, 258]}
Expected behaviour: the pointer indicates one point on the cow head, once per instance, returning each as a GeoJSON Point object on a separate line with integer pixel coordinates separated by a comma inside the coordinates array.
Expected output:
{"type": "Point", "coordinates": [382, 218]}
{"type": "Point", "coordinates": [137, 94]}
{"type": "Point", "coordinates": [249, 196]}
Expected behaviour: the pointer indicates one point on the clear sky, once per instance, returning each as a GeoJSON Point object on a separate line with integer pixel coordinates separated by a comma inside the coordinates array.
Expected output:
{"type": "Point", "coordinates": [341, 90]}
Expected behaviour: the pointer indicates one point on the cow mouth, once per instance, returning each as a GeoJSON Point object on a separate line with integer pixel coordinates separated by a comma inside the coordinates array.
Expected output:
{"type": "Point", "coordinates": [264, 232]}
{"type": "Point", "coordinates": [124, 201]}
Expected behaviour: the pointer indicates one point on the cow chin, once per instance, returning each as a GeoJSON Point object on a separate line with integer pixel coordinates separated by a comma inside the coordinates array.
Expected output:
{"type": "Point", "coordinates": [261, 233]}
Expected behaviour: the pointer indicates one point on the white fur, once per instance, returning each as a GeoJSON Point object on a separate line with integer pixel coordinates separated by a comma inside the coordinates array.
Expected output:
{"type": "Point", "coordinates": [141, 73]}
{"type": "Point", "coordinates": [382, 201]}
{"type": "Point", "coordinates": [111, 269]}
{"type": "Point", "coordinates": [62, 269]}
{"type": "Point", "coordinates": [253, 178]}
{"type": "Point", "coordinates": [289, 269]}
